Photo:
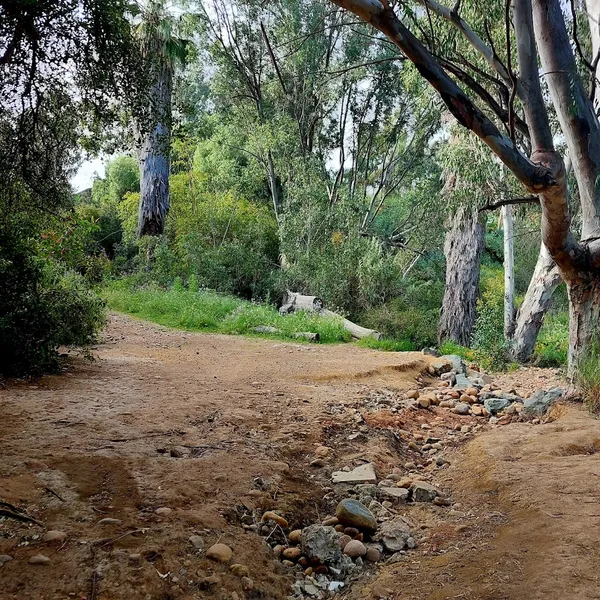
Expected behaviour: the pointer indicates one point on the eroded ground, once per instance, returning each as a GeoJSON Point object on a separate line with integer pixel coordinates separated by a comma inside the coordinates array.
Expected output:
{"type": "Point", "coordinates": [217, 428]}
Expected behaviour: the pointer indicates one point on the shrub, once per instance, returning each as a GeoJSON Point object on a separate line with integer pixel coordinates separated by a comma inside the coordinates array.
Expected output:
{"type": "Point", "coordinates": [588, 376]}
{"type": "Point", "coordinates": [552, 346]}
{"type": "Point", "coordinates": [44, 306]}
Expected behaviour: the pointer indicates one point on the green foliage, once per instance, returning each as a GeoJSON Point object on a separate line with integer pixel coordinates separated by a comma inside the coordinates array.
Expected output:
{"type": "Point", "coordinates": [44, 305]}
{"type": "Point", "coordinates": [387, 345]}
{"type": "Point", "coordinates": [588, 375]}
{"type": "Point", "coordinates": [449, 347]}
{"type": "Point", "coordinates": [211, 311]}
{"type": "Point", "coordinates": [552, 346]}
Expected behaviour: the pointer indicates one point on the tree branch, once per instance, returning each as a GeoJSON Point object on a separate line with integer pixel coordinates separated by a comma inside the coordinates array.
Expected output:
{"type": "Point", "coordinates": [509, 202]}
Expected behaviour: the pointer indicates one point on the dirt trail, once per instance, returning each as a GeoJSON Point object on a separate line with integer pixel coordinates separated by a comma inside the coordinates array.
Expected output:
{"type": "Point", "coordinates": [215, 426]}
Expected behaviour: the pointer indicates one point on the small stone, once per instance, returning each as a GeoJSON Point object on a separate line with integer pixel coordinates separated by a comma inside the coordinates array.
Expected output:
{"type": "Point", "coordinates": [400, 494]}
{"type": "Point", "coordinates": [344, 539]}
{"type": "Point", "coordinates": [239, 570]}
{"type": "Point", "coordinates": [423, 491]}
{"type": "Point", "coordinates": [317, 463]}
{"type": "Point", "coordinates": [295, 536]}
{"type": "Point", "coordinates": [287, 563]}
{"type": "Point", "coordinates": [39, 559]}
{"type": "Point", "coordinates": [447, 404]}
{"type": "Point", "coordinates": [351, 531]}
{"type": "Point", "coordinates": [4, 558]}
{"type": "Point", "coordinates": [273, 516]}
{"type": "Point", "coordinates": [247, 584]}
{"type": "Point", "coordinates": [461, 408]}
{"type": "Point", "coordinates": [410, 466]}
{"type": "Point", "coordinates": [54, 536]}
{"type": "Point", "coordinates": [278, 550]}
{"type": "Point", "coordinates": [292, 553]}
{"type": "Point", "coordinates": [135, 558]}
{"type": "Point", "coordinates": [495, 405]}
{"type": "Point", "coordinates": [440, 501]}
{"type": "Point", "coordinates": [330, 522]}
{"type": "Point", "coordinates": [363, 474]}
{"type": "Point", "coordinates": [321, 543]}
{"type": "Point", "coordinates": [207, 582]}
{"type": "Point", "coordinates": [163, 511]}
{"type": "Point", "coordinates": [373, 554]}
{"type": "Point", "coordinates": [394, 533]}
{"type": "Point", "coordinates": [196, 541]}
{"type": "Point", "coordinates": [414, 447]}
{"type": "Point", "coordinates": [308, 572]}
{"type": "Point", "coordinates": [440, 461]}
{"type": "Point", "coordinates": [465, 398]}
{"type": "Point", "coordinates": [353, 513]}
{"type": "Point", "coordinates": [109, 521]}
{"type": "Point", "coordinates": [477, 410]}
{"type": "Point", "coordinates": [465, 429]}
{"type": "Point", "coordinates": [220, 552]}
{"type": "Point", "coordinates": [354, 549]}
{"type": "Point", "coordinates": [177, 453]}
{"type": "Point", "coordinates": [412, 394]}
{"type": "Point", "coordinates": [472, 391]}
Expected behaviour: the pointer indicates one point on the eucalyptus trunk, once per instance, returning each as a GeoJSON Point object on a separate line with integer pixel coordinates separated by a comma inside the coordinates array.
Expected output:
{"type": "Point", "coordinates": [509, 270]}
{"type": "Point", "coordinates": [154, 150]}
{"type": "Point", "coordinates": [463, 248]}
{"type": "Point", "coordinates": [544, 281]}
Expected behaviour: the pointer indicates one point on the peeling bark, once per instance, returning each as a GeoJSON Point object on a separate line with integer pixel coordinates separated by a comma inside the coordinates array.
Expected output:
{"type": "Point", "coordinates": [544, 281]}
{"type": "Point", "coordinates": [463, 249]}
{"type": "Point", "coordinates": [584, 313]}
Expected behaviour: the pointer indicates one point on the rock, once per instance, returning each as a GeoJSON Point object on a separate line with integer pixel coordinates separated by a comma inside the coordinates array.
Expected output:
{"type": "Point", "coordinates": [266, 329]}
{"type": "Point", "coordinates": [463, 383]}
{"type": "Point", "coordinates": [405, 482]}
{"type": "Point", "coordinates": [39, 559]}
{"type": "Point", "coordinates": [321, 543]}
{"type": "Point", "coordinates": [295, 536]}
{"type": "Point", "coordinates": [439, 501]}
{"type": "Point", "coordinates": [440, 461]}
{"type": "Point", "coordinates": [422, 491]}
{"type": "Point", "coordinates": [292, 553]}
{"type": "Point", "coordinates": [424, 402]}
{"type": "Point", "coordinates": [363, 474]}
{"type": "Point", "coordinates": [196, 541]}
{"type": "Point", "coordinates": [273, 516]}
{"type": "Point", "coordinates": [541, 401]}
{"type": "Point", "coordinates": [351, 531]}
{"type": "Point", "coordinates": [163, 511]}
{"type": "Point", "coordinates": [495, 405]}
{"type": "Point", "coordinates": [430, 351]}
{"type": "Point", "coordinates": [208, 582]}
{"type": "Point", "coordinates": [353, 513]}
{"type": "Point", "coordinates": [461, 408]}
{"type": "Point", "coordinates": [177, 453]}
{"type": "Point", "coordinates": [477, 410]}
{"type": "Point", "coordinates": [449, 376]}
{"type": "Point", "coordinates": [317, 463]}
{"type": "Point", "coordinates": [109, 521]}
{"type": "Point", "coordinates": [456, 363]}
{"type": "Point", "coordinates": [400, 494]}
{"type": "Point", "coordinates": [331, 521]}
{"type": "Point", "coordinates": [220, 552]}
{"type": "Point", "coordinates": [442, 364]}
{"type": "Point", "coordinates": [354, 549]}
{"type": "Point", "coordinates": [247, 584]}
{"type": "Point", "coordinates": [465, 429]}
{"type": "Point", "coordinates": [239, 570]}
{"type": "Point", "coordinates": [472, 391]}
{"type": "Point", "coordinates": [278, 550]}
{"type": "Point", "coordinates": [447, 404]}
{"type": "Point", "coordinates": [373, 554]}
{"type": "Point", "coordinates": [344, 539]}
{"type": "Point", "coordinates": [412, 394]}
{"type": "Point", "coordinates": [4, 558]}
{"type": "Point", "coordinates": [393, 534]}
{"type": "Point", "coordinates": [54, 536]}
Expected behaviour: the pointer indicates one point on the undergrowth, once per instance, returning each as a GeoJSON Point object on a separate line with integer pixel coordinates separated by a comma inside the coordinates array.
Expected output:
{"type": "Point", "coordinates": [588, 377]}
{"type": "Point", "coordinates": [210, 311]}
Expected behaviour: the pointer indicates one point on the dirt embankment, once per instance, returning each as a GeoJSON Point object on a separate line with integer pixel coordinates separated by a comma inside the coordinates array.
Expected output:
{"type": "Point", "coordinates": [216, 428]}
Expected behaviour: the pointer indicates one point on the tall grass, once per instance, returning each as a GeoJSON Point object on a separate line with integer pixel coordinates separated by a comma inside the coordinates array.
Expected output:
{"type": "Point", "coordinates": [213, 312]}
{"type": "Point", "coordinates": [588, 376]}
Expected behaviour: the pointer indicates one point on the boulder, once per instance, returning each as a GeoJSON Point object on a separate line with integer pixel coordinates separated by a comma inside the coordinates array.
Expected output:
{"type": "Point", "coordinates": [353, 513]}
{"type": "Point", "coordinates": [456, 362]}
{"type": "Point", "coordinates": [422, 491]}
{"type": "Point", "coordinates": [541, 401]}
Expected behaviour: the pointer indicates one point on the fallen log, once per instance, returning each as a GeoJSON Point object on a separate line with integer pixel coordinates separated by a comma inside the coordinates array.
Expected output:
{"type": "Point", "coordinates": [294, 301]}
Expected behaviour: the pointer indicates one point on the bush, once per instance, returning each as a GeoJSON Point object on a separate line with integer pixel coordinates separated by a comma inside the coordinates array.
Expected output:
{"type": "Point", "coordinates": [552, 346]}
{"type": "Point", "coordinates": [588, 376]}
{"type": "Point", "coordinates": [44, 306]}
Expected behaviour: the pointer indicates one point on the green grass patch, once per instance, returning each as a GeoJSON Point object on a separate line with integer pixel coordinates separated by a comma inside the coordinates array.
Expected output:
{"type": "Point", "coordinates": [449, 347]}
{"type": "Point", "coordinates": [217, 313]}
{"type": "Point", "coordinates": [588, 376]}
{"type": "Point", "coordinates": [387, 345]}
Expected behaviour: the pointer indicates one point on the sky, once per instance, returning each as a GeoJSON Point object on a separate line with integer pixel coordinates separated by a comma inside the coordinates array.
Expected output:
{"type": "Point", "coordinates": [87, 172]}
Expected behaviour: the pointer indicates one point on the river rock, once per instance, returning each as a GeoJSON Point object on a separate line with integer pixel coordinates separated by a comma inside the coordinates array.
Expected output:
{"type": "Point", "coordinates": [363, 474]}
{"type": "Point", "coordinates": [354, 549]}
{"type": "Point", "coordinates": [54, 536]}
{"type": "Point", "coordinates": [220, 552]}
{"type": "Point", "coordinates": [4, 558]}
{"type": "Point", "coordinates": [394, 534]}
{"type": "Point", "coordinates": [353, 513]}
{"type": "Point", "coordinates": [295, 536]}
{"type": "Point", "coordinates": [541, 401]}
{"type": "Point", "coordinates": [373, 554]}
{"type": "Point", "coordinates": [196, 541]}
{"type": "Point", "coordinates": [321, 543]}
{"type": "Point", "coordinates": [495, 405]}
{"type": "Point", "coordinates": [292, 553]}
{"type": "Point", "coordinates": [461, 408]}
{"type": "Point", "coordinates": [456, 363]}
{"type": "Point", "coordinates": [163, 511]}
{"type": "Point", "coordinates": [39, 559]}
{"type": "Point", "coordinates": [399, 494]}
{"type": "Point", "coordinates": [273, 516]}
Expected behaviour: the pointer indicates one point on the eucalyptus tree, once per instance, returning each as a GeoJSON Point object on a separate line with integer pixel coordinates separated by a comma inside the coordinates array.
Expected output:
{"type": "Point", "coordinates": [540, 29]}
{"type": "Point", "coordinates": [161, 49]}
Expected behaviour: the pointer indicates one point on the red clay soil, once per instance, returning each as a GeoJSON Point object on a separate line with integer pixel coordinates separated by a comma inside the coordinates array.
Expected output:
{"type": "Point", "coordinates": [218, 428]}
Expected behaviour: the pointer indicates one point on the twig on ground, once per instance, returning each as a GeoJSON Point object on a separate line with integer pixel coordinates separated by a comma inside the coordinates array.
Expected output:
{"type": "Point", "coordinates": [12, 512]}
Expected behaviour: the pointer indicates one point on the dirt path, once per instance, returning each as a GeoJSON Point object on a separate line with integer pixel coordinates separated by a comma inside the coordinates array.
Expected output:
{"type": "Point", "coordinates": [216, 428]}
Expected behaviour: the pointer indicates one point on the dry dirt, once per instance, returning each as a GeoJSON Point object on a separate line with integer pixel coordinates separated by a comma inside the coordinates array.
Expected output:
{"type": "Point", "coordinates": [218, 427]}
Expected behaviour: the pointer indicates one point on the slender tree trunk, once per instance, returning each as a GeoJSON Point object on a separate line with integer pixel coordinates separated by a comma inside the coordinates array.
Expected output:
{"type": "Point", "coordinates": [584, 312]}
{"type": "Point", "coordinates": [544, 281]}
{"type": "Point", "coordinates": [154, 153]}
{"type": "Point", "coordinates": [509, 271]}
{"type": "Point", "coordinates": [463, 249]}
{"type": "Point", "coordinates": [593, 12]}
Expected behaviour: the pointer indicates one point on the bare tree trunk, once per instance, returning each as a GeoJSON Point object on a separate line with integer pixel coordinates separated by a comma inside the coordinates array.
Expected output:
{"type": "Point", "coordinates": [463, 249]}
{"type": "Point", "coordinates": [509, 271]}
{"type": "Point", "coordinates": [154, 154]}
{"type": "Point", "coordinates": [584, 312]}
{"type": "Point", "coordinates": [593, 13]}
{"type": "Point", "coordinates": [544, 281]}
